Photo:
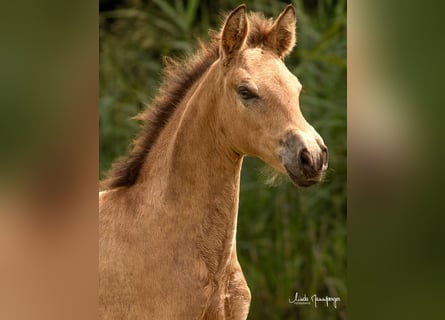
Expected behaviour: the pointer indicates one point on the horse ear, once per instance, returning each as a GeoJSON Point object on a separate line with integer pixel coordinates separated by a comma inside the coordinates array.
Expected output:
{"type": "Point", "coordinates": [283, 32]}
{"type": "Point", "coordinates": [234, 31]}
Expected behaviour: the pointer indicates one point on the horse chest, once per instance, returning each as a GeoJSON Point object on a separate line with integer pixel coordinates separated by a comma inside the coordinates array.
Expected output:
{"type": "Point", "coordinates": [231, 298]}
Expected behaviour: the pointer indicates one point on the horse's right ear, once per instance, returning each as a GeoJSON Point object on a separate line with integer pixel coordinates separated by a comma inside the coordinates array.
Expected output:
{"type": "Point", "coordinates": [283, 32]}
{"type": "Point", "coordinates": [234, 32]}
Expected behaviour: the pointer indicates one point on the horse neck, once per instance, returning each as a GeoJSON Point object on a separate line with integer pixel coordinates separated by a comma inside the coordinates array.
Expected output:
{"type": "Point", "coordinates": [198, 174]}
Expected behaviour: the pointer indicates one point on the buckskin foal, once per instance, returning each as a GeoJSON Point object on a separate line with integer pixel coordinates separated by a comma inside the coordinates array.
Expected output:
{"type": "Point", "coordinates": [168, 213]}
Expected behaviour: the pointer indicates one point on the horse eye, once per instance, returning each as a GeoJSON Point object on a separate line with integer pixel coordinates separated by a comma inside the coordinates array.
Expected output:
{"type": "Point", "coordinates": [245, 93]}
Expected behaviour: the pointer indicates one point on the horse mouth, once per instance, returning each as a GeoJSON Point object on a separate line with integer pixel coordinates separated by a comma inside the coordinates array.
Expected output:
{"type": "Point", "coordinates": [297, 181]}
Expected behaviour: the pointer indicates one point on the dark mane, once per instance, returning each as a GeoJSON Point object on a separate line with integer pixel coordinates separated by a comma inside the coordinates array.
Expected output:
{"type": "Point", "coordinates": [178, 78]}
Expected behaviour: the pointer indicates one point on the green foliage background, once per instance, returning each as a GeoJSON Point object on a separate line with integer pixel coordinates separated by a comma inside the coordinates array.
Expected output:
{"type": "Point", "coordinates": [288, 239]}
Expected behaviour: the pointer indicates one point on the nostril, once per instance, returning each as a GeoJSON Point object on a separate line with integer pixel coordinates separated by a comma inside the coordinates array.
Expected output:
{"type": "Point", "coordinates": [324, 155]}
{"type": "Point", "coordinates": [305, 158]}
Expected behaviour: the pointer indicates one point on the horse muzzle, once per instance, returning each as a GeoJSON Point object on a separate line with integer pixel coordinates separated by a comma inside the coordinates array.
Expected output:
{"type": "Point", "coordinates": [304, 163]}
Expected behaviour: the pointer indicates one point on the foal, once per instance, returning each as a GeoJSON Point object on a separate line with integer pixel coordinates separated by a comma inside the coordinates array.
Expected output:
{"type": "Point", "coordinates": [169, 210]}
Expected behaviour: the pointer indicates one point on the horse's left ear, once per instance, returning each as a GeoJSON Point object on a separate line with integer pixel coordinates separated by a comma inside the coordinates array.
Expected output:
{"type": "Point", "coordinates": [234, 32]}
{"type": "Point", "coordinates": [283, 35]}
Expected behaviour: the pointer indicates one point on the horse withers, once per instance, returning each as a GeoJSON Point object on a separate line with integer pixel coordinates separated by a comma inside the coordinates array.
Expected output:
{"type": "Point", "coordinates": [168, 212]}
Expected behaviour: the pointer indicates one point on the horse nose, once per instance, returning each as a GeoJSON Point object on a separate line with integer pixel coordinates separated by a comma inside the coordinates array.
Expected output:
{"type": "Point", "coordinates": [313, 163]}
{"type": "Point", "coordinates": [306, 161]}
